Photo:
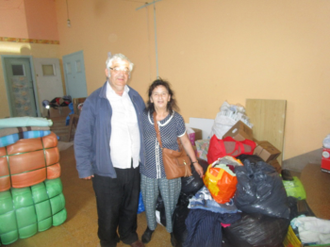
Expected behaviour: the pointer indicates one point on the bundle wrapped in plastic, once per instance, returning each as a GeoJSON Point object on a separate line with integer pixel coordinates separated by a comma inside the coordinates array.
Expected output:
{"type": "Point", "coordinates": [227, 117]}
{"type": "Point", "coordinates": [29, 162]}
{"type": "Point", "coordinates": [26, 211]}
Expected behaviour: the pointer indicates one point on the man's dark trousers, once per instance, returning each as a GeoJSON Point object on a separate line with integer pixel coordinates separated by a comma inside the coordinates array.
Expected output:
{"type": "Point", "coordinates": [117, 202]}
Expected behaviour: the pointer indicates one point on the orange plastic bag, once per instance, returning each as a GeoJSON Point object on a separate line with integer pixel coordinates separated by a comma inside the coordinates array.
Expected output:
{"type": "Point", "coordinates": [221, 182]}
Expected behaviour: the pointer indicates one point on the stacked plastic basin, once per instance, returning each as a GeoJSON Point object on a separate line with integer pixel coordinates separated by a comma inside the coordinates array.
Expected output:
{"type": "Point", "coordinates": [31, 198]}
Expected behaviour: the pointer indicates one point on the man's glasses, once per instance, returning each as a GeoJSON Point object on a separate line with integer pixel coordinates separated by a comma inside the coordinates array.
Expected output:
{"type": "Point", "coordinates": [122, 69]}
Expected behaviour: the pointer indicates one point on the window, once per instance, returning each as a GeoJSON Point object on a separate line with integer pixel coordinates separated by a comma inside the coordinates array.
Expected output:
{"type": "Point", "coordinates": [18, 70]}
{"type": "Point", "coordinates": [48, 70]}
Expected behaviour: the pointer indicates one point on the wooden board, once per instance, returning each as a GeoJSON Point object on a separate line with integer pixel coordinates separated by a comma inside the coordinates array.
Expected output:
{"type": "Point", "coordinates": [268, 119]}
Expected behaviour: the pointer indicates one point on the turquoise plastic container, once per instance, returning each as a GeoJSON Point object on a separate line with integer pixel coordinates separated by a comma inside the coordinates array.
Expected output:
{"type": "Point", "coordinates": [26, 211]}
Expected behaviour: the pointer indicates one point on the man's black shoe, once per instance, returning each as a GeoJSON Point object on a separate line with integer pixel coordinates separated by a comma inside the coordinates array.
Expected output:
{"type": "Point", "coordinates": [146, 237]}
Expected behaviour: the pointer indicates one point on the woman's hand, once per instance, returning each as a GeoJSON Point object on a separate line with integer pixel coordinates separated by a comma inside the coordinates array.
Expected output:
{"type": "Point", "coordinates": [198, 169]}
{"type": "Point", "coordinates": [190, 151]}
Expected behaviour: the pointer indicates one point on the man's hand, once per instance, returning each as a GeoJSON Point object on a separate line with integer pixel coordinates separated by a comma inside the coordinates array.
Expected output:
{"type": "Point", "coordinates": [89, 177]}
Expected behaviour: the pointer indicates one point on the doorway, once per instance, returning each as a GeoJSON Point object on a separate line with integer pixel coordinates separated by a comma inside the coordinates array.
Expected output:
{"type": "Point", "coordinates": [74, 73]}
{"type": "Point", "coordinates": [48, 78]}
{"type": "Point", "coordinates": [20, 86]}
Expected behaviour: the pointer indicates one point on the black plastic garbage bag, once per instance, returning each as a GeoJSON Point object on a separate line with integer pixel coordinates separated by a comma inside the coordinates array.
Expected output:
{"type": "Point", "coordinates": [203, 164]}
{"type": "Point", "coordinates": [160, 207]}
{"type": "Point", "coordinates": [260, 190]}
{"type": "Point", "coordinates": [189, 187]}
{"type": "Point", "coordinates": [179, 218]}
{"type": "Point", "coordinates": [256, 230]}
{"type": "Point", "coordinates": [192, 184]}
{"type": "Point", "coordinates": [299, 207]}
{"type": "Point", "coordinates": [251, 158]}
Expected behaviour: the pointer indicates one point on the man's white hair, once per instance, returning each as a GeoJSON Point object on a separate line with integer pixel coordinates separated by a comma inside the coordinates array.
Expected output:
{"type": "Point", "coordinates": [118, 57]}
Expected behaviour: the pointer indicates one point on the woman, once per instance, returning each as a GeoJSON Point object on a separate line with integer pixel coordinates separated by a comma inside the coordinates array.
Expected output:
{"type": "Point", "coordinates": [153, 179]}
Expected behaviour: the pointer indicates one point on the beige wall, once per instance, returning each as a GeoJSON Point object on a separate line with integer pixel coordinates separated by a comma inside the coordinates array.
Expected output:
{"type": "Point", "coordinates": [212, 51]}
{"type": "Point", "coordinates": [34, 23]}
{"type": "Point", "coordinates": [41, 19]}
{"type": "Point", "coordinates": [33, 19]}
{"type": "Point", "coordinates": [215, 50]}
{"type": "Point", "coordinates": [13, 19]}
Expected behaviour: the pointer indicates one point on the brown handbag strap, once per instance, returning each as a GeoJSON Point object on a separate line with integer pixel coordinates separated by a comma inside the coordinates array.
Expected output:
{"type": "Point", "coordinates": [157, 130]}
{"type": "Point", "coordinates": [158, 134]}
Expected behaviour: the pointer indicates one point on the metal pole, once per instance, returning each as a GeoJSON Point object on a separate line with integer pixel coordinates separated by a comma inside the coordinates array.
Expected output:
{"type": "Point", "coordinates": [147, 4]}
{"type": "Point", "coordinates": [155, 28]}
{"type": "Point", "coordinates": [156, 46]}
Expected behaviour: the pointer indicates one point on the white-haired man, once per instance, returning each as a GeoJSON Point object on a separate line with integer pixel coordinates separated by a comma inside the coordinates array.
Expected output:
{"type": "Point", "coordinates": [108, 149]}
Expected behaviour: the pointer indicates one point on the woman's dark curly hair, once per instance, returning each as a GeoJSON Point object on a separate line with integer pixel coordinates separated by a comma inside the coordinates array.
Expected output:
{"type": "Point", "coordinates": [171, 105]}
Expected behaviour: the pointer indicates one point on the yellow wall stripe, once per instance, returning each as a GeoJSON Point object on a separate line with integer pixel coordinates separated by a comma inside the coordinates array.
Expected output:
{"type": "Point", "coordinates": [35, 41]}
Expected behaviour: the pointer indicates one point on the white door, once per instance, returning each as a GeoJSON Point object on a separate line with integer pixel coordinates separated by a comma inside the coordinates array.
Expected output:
{"type": "Point", "coordinates": [20, 89]}
{"type": "Point", "coordinates": [74, 73]}
{"type": "Point", "coordinates": [49, 80]}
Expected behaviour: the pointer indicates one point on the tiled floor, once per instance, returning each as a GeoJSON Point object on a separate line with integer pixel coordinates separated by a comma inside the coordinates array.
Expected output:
{"type": "Point", "coordinates": [81, 225]}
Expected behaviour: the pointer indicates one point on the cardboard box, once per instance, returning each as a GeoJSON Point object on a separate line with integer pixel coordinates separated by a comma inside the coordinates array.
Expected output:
{"type": "Point", "coordinates": [325, 162]}
{"type": "Point", "coordinates": [274, 163]}
{"type": "Point", "coordinates": [198, 134]}
{"type": "Point", "coordinates": [266, 151]}
{"type": "Point", "coordinates": [76, 102]}
{"type": "Point", "coordinates": [194, 136]}
{"type": "Point", "coordinates": [240, 131]}
{"type": "Point", "coordinates": [61, 111]}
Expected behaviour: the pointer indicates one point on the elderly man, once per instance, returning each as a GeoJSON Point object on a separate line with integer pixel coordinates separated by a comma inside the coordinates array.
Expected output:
{"type": "Point", "coordinates": [108, 149]}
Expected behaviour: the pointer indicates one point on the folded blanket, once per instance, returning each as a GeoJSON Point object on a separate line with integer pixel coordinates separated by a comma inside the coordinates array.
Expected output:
{"type": "Point", "coordinates": [11, 139]}
{"type": "Point", "coordinates": [24, 121]}
{"type": "Point", "coordinates": [19, 130]}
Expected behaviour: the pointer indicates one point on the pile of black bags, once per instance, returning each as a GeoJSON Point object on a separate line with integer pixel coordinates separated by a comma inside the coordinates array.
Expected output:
{"type": "Point", "coordinates": [265, 214]}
